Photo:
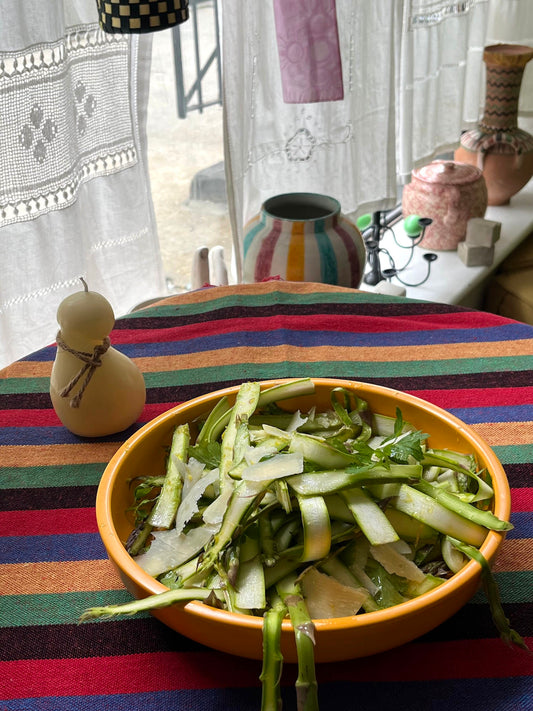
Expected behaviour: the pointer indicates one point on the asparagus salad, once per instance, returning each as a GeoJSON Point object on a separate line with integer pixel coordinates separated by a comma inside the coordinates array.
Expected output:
{"type": "Point", "coordinates": [308, 516]}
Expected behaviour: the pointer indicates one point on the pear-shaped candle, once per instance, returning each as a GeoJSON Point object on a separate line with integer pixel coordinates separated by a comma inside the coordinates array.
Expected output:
{"type": "Point", "coordinates": [95, 389]}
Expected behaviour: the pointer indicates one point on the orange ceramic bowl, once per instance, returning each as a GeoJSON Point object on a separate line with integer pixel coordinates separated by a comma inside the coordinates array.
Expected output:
{"type": "Point", "coordinates": [336, 639]}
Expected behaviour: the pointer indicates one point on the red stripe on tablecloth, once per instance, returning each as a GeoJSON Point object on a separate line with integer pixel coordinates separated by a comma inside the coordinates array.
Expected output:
{"type": "Point", "coordinates": [29, 418]}
{"type": "Point", "coordinates": [152, 410]}
{"type": "Point", "coordinates": [47, 522]}
{"type": "Point", "coordinates": [457, 659]}
{"type": "Point", "coordinates": [136, 673]}
{"type": "Point", "coordinates": [48, 417]}
{"type": "Point", "coordinates": [443, 398]}
{"type": "Point", "coordinates": [522, 500]}
{"type": "Point", "coordinates": [140, 673]}
{"type": "Point", "coordinates": [356, 323]}
{"type": "Point", "coordinates": [477, 397]}
{"type": "Point", "coordinates": [83, 520]}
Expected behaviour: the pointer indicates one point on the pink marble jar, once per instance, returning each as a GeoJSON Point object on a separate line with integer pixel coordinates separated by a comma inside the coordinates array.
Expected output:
{"type": "Point", "coordinates": [450, 193]}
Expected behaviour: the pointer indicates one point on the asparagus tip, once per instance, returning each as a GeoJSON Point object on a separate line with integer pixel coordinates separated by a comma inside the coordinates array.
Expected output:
{"type": "Point", "coordinates": [96, 613]}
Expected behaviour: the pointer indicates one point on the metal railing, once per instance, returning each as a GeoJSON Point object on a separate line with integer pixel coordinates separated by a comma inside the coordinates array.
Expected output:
{"type": "Point", "coordinates": [194, 99]}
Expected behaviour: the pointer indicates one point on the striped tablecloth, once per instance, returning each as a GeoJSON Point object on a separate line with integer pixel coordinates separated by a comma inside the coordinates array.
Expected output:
{"type": "Point", "coordinates": [53, 565]}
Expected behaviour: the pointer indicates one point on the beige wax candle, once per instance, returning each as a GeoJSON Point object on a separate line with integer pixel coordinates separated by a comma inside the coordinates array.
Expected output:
{"type": "Point", "coordinates": [95, 389]}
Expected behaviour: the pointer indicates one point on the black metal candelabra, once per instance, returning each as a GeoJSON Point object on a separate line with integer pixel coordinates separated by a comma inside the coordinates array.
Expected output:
{"type": "Point", "coordinates": [374, 227]}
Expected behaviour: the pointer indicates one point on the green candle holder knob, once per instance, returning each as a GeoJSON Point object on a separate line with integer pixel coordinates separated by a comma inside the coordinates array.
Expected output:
{"type": "Point", "coordinates": [363, 222]}
{"type": "Point", "coordinates": [412, 226]}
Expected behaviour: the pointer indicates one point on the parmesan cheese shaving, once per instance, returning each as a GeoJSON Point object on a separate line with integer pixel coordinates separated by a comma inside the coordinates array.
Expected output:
{"type": "Point", "coordinates": [189, 503]}
{"type": "Point", "coordinates": [396, 563]}
{"type": "Point", "coordinates": [170, 549]}
{"type": "Point", "coordinates": [278, 466]}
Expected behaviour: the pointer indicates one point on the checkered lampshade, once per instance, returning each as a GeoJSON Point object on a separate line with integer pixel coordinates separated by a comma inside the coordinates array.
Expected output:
{"type": "Point", "coordinates": [133, 16]}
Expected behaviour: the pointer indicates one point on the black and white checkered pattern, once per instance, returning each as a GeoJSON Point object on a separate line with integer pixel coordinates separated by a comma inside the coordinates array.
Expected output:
{"type": "Point", "coordinates": [133, 16]}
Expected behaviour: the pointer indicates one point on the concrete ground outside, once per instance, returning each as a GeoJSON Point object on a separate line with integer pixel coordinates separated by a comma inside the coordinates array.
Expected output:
{"type": "Point", "coordinates": [185, 158]}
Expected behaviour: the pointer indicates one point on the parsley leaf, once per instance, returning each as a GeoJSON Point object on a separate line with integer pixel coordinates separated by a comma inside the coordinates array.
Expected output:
{"type": "Point", "coordinates": [208, 454]}
{"type": "Point", "coordinates": [403, 446]}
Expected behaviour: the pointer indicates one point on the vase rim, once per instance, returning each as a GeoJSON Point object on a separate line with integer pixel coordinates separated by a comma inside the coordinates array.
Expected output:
{"type": "Point", "coordinates": [277, 206]}
{"type": "Point", "coordinates": [518, 54]}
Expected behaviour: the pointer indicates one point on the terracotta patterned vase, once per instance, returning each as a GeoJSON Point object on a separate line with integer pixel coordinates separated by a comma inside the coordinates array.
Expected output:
{"type": "Point", "coordinates": [502, 150]}
{"type": "Point", "coordinates": [303, 237]}
{"type": "Point", "coordinates": [449, 193]}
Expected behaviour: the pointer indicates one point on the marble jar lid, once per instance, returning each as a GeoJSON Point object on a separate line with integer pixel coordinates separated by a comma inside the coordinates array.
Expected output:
{"type": "Point", "coordinates": [448, 172]}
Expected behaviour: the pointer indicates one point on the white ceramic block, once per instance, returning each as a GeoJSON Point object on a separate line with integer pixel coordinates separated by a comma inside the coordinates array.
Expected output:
{"type": "Point", "coordinates": [386, 287]}
{"type": "Point", "coordinates": [482, 233]}
{"type": "Point", "coordinates": [474, 256]}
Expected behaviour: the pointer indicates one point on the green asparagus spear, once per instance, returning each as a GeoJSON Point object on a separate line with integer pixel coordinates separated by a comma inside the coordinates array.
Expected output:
{"type": "Point", "coordinates": [272, 656]}
{"type": "Point", "coordinates": [244, 407]}
{"type": "Point", "coordinates": [471, 513]}
{"type": "Point", "coordinates": [215, 423]}
{"type": "Point", "coordinates": [331, 481]}
{"type": "Point", "coordinates": [152, 602]}
{"type": "Point", "coordinates": [164, 511]}
{"type": "Point", "coordinates": [509, 635]}
{"type": "Point", "coordinates": [304, 634]}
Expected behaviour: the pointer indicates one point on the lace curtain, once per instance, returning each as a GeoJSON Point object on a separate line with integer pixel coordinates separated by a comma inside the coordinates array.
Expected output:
{"type": "Point", "coordinates": [74, 190]}
{"type": "Point", "coordinates": [411, 72]}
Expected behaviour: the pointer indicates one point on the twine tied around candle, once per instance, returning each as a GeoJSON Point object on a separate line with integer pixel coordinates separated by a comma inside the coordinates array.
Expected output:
{"type": "Point", "coordinates": [92, 361]}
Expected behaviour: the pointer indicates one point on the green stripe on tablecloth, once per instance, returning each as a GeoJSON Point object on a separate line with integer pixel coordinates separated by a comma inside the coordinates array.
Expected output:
{"type": "Point", "coordinates": [56, 609]}
{"type": "Point", "coordinates": [281, 297]}
{"type": "Point", "coordinates": [16, 386]}
{"type": "Point", "coordinates": [44, 477]}
{"type": "Point", "coordinates": [514, 453]}
{"type": "Point", "coordinates": [515, 587]}
{"type": "Point", "coordinates": [66, 608]}
{"type": "Point", "coordinates": [350, 369]}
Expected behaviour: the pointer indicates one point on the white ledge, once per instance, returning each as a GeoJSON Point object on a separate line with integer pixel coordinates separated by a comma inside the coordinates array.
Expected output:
{"type": "Point", "coordinates": [450, 280]}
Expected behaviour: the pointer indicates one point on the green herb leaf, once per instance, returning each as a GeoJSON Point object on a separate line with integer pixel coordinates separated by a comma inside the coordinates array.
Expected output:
{"type": "Point", "coordinates": [208, 454]}
{"type": "Point", "coordinates": [403, 446]}
{"type": "Point", "coordinates": [408, 446]}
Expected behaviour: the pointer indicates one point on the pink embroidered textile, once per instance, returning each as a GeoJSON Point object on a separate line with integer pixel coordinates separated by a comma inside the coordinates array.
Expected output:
{"type": "Point", "coordinates": [309, 53]}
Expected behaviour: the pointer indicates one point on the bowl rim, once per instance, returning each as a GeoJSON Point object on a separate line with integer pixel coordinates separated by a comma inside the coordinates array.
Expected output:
{"type": "Point", "coordinates": [127, 565]}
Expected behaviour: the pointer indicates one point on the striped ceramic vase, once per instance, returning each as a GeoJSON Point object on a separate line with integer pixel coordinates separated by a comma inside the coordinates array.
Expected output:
{"type": "Point", "coordinates": [303, 237]}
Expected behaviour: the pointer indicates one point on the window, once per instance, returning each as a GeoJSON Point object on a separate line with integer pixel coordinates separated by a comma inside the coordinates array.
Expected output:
{"type": "Point", "coordinates": [185, 155]}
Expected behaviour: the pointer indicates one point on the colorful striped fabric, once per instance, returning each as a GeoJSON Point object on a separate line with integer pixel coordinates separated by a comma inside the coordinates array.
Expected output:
{"type": "Point", "coordinates": [53, 565]}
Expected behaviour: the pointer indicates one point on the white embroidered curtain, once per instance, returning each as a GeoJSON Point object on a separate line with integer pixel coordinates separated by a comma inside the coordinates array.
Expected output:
{"type": "Point", "coordinates": [412, 75]}
{"type": "Point", "coordinates": [74, 190]}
